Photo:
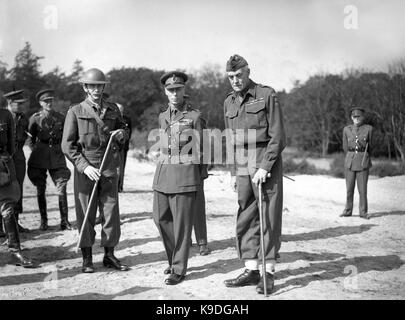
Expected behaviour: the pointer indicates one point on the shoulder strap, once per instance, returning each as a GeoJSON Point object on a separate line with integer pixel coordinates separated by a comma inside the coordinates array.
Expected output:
{"type": "Point", "coordinates": [96, 117]}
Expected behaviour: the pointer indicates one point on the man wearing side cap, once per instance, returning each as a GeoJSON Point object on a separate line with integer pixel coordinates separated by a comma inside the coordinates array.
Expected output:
{"type": "Point", "coordinates": [254, 121]}
{"type": "Point", "coordinates": [15, 102]}
{"type": "Point", "coordinates": [9, 188]}
{"type": "Point", "coordinates": [357, 146]}
{"type": "Point", "coordinates": [46, 129]}
{"type": "Point", "coordinates": [88, 127]}
{"type": "Point", "coordinates": [178, 175]}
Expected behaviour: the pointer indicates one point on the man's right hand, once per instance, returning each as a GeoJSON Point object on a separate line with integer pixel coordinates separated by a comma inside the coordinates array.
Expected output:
{"type": "Point", "coordinates": [233, 183]}
{"type": "Point", "coordinates": [92, 173]}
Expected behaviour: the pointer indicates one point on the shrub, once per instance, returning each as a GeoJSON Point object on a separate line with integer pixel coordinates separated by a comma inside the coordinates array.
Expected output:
{"type": "Point", "coordinates": [301, 167]}
{"type": "Point", "coordinates": [386, 169]}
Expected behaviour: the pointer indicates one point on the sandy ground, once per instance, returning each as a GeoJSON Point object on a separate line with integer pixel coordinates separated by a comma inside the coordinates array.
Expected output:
{"type": "Point", "coordinates": [322, 256]}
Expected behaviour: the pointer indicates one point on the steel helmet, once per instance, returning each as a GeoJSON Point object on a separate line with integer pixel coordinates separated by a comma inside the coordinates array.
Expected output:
{"type": "Point", "coordinates": [94, 76]}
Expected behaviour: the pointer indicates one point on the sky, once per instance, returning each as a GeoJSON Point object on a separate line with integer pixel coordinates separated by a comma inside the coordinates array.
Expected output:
{"type": "Point", "coordinates": [282, 40]}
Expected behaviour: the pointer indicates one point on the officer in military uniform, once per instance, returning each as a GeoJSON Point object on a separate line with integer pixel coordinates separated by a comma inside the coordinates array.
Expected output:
{"type": "Point", "coordinates": [87, 130]}
{"type": "Point", "coordinates": [46, 128]}
{"type": "Point", "coordinates": [255, 107]}
{"type": "Point", "coordinates": [15, 101]}
{"type": "Point", "coordinates": [9, 188]}
{"type": "Point", "coordinates": [178, 175]}
{"type": "Point", "coordinates": [125, 148]}
{"type": "Point", "coordinates": [357, 146]}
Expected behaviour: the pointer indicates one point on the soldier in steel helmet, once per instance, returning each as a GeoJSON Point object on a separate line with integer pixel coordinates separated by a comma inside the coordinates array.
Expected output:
{"type": "Point", "coordinates": [46, 128]}
{"type": "Point", "coordinates": [357, 146]}
{"type": "Point", "coordinates": [178, 175]}
{"type": "Point", "coordinates": [9, 188]}
{"type": "Point", "coordinates": [87, 130]}
{"type": "Point", "coordinates": [254, 108]}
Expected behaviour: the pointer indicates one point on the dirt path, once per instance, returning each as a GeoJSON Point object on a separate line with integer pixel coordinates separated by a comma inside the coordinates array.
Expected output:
{"type": "Point", "coordinates": [322, 256]}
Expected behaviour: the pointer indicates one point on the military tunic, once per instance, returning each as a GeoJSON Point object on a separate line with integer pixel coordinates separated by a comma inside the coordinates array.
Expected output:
{"type": "Point", "coordinates": [255, 129]}
{"type": "Point", "coordinates": [357, 146]}
{"type": "Point", "coordinates": [10, 190]}
{"type": "Point", "coordinates": [176, 181]}
{"type": "Point", "coordinates": [46, 129]}
{"type": "Point", "coordinates": [84, 143]}
{"type": "Point", "coordinates": [21, 127]}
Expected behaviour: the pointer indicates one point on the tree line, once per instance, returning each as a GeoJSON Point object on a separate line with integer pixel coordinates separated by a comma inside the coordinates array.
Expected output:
{"type": "Point", "coordinates": [315, 111]}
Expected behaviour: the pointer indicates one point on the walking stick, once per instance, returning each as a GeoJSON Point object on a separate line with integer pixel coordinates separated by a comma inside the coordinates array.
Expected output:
{"type": "Point", "coordinates": [261, 217]}
{"type": "Point", "coordinates": [93, 193]}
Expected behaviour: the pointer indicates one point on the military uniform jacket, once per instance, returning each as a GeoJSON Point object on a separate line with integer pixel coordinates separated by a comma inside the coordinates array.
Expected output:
{"type": "Point", "coordinates": [260, 110]}
{"type": "Point", "coordinates": [179, 168]}
{"type": "Point", "coordinates": [46, 129]}
{"type": "Point", "coordinates": [84, 141]}
{"type": "Point", "coordinates": [355, 141]}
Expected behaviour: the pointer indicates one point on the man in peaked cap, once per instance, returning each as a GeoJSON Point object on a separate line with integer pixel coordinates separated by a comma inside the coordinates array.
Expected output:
{"type": "Point", "coordinates": [15, 101]}
{"type": "Point", "coordinates": [88, 127]}
{"type": "Point", "coordinates": [9, 188]}
{"type": "Point", "coordinates": [46, 128]}
{"type": "Point", "coordinates": [254, 108]}
{"type": "Point", "coordinates": [178, 175]}
{"type": "Point", "coordinates": [356, 141]}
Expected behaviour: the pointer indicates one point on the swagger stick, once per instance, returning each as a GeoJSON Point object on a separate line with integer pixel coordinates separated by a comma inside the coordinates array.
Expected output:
{"type": "Point", "coordinates": [262, 239]}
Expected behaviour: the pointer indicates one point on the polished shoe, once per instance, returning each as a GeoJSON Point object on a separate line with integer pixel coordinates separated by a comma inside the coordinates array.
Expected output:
{"type": "Point", "coordinates": [247, 278]}
{"type": "Point", "coordinates": [204, 250]}
{"type": "Point", "coordinates": [65, 225]}
{"type": "Point", "coordinates": [168, 270]}
{"type": "Point", "coordinates": [21, 260]}
{"type": "Point", "coordinates": [174, 279]}
{"type": "Point", "coordinates": [345, 214]}
{"type": "Point", "coordinates": [44, 225]}
{"type": "Point", "coordinates": [365, 216]}
{"type": "Point", "coordinates": [87, 266]}
{"type": "Point", "coordinates": [270, 284]}
{"type": "Point", "coordinates": [110, 261]}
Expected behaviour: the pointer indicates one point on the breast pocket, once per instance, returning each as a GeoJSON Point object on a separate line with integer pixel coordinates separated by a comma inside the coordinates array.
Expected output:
{"type": "Point", "coordinates": [256, 115]}
{"type": "Point", "coordinates": [88, 131]}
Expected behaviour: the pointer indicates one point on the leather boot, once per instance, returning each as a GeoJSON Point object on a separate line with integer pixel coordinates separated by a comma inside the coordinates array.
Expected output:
{"type": "Point", "coordinates": [87, 260]}
{"type": "Point", "coordinates": [2, 234]}
{"type": "Point", "coordinates": [21, 229]}
{"type": "Point", "coordinates": [246, 278]}
{"type": "Point", "coordinates": [269, 281]}
{"type": "Point", "coordinates": [10, 225]}
{"type": "Point", "coordinates": [42, 210]}
{"type": "Point", "coordinates": [63, 208]}
{"type": "Point", "coordinates": [110, 261]}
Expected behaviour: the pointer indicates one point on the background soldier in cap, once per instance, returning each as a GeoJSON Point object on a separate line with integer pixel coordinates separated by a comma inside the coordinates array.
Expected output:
{"type": "Point", "coordinates": [357, 146]}
{"type": "Point", "coordinates": [15, 101]}
{"type": "Point", "coordinates": [125, 148]}
{"type": "Point", "coordinates": [9, 187]}
{"type": "Point", "coordinates": [178, 175]}
{"type": "Point", "coordinates": [86, 133]}
{"type": "Point", "coordinates": [254, 106]}
{"type": "Point", "coordinates": [46, 128]}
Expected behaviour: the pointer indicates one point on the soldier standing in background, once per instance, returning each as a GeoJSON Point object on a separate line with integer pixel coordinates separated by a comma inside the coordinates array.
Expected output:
{"type": "Point", "coordinates": [125, 148]}
{"type": "Point", "coordinates": [357, 146]}
{"type": "Point", "coordinates": [252, 107]}
{"type": "Point", "coordinates": [46, 128]}
{"type": "Point", "coordinates": [15, 101]}
{"type": "Point", "coordinates": [9, 188]}
{"type": "Point", "coordinates": [87, 130]}
{"type": "Point", "coordinates": [178, 175]}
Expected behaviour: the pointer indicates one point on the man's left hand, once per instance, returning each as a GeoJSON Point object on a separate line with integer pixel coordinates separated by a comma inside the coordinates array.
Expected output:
{"type": "Point", "coordinates": [118, 134]}
{"type": "Point", "coordinates": [260, 176]}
